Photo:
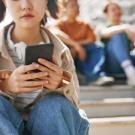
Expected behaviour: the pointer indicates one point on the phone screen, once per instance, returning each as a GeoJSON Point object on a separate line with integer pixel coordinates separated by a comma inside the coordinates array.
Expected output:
{"type": "Point", "coordinates": [33, 52]}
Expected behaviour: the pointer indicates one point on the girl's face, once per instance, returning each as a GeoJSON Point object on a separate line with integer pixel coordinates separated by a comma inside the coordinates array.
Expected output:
{"type": "Point", "coordinates": [114, 12]}
{"type": "Point", "coordinates": [26, 13]}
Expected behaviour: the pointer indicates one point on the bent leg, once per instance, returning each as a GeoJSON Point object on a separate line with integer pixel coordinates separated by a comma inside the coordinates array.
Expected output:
{"type": "Point", "coordinates": [93, 65]}
{"type": "Point", "coordinates": [55, 115]}
{"type": "Point", "coordinates": [117, 52]}
{"type": "Point", "coordinates": [11, 122]}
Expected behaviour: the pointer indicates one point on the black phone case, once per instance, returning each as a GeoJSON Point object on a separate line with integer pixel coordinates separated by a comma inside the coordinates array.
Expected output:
{"type": "Point", "coordinates": [33, 52]}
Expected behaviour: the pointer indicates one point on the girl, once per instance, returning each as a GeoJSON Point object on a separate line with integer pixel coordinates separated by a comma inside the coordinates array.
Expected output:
{"type": "Point", "coordinates": [117, 38]}
{"type": "Point", "coordinates": [57, 112]}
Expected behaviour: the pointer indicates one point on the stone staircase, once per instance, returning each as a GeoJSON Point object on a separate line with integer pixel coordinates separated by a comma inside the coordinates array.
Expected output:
{"type": "Point", "coordinates": [111, 109]}
{"type": "Point", "coordinates": [113, 126]}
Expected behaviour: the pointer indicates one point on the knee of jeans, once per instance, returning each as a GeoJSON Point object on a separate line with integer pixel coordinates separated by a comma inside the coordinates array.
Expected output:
{"type": "Point", "coordinates": [8, 111]}
{"type": "Point", "coordinates": [54, 100]}
{"type": "Point", "coordinates": [84, 125]}
{"type": "Point", "coordinates": [4, 106]}
{"type": "Point", "coordinates": [84, 128]}
{"type": "Point", "coordinates": [49, 106]}
{"type": "Point", "coordinates": [3, 103]}
{"type": "Point", "coordinates": [120, 35]}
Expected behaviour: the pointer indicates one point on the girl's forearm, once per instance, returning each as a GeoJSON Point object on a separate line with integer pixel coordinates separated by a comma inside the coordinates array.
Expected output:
{"type": "Point", "coordinates": [83, 42]}
{"type": "Point", "coordinates": [68, 41]}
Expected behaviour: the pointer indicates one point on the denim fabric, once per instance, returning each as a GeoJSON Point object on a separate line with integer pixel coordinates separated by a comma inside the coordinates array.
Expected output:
{"type": "Point", "coordinates": [52, 115]}
{"type": "Point", "coordinates": [93, 66]}
{"type": "Point", "coordinates": [117, 51]}
{"type": "Point", "coordinates": [11, 122]}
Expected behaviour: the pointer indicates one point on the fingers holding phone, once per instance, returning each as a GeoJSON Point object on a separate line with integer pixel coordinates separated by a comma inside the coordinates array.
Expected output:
{"type": "Point", "coordinates": [55, 75]}
{"type": "Point", "coordinates": [23, 80]}
{"type": "Point", "coordinates": [43, 55]}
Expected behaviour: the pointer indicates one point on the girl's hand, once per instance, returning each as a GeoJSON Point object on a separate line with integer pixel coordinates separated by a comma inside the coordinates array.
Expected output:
{"type": "Point", "coordinates": [55, 74]}
{"type": "Point", "coordinates": [23, 80]}
{"type": "Point", "coordinates": [4, 74]}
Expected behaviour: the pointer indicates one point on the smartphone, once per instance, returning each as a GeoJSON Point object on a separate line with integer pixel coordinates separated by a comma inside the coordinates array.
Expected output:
{"type": "Point", "coordinates": [33, 52]}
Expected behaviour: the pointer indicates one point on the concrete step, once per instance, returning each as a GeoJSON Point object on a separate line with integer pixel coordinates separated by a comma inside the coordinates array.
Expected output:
{"type": "Point", "coordinates": [109, 107]}
{"type": "Point", "coordinates": [99, 93]}
{"type": "Point", "coordinates": [112, 126]}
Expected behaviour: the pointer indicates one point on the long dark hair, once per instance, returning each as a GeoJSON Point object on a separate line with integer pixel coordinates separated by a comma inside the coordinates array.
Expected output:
{"type": "Point", "coordinates": [2, 10]}
{"type": "Point", "coordinates": [53, 8]}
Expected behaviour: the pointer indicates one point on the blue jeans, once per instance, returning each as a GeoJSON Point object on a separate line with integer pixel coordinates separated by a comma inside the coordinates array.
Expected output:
{"type": "Point", "coordinates": [52, 115]}
{"type": "Point", "coordinates": [93, 66]}
{"type": "Point", "coordinates": [117, 51]}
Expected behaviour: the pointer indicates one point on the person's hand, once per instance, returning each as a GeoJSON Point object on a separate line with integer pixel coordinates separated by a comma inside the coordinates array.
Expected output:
{"type": "Point", "coordinates": [81, 52]}
{"type": "Point", "coordinates": [132, 37]}
{"type": "Point", "coordinates": [23, 80]}
{"type": "Point", "coordinates": [131, 33]}
{"type": "Point", "coordinates": [55, 74]}
{"type": "Point", "coordinates": [4, 74]}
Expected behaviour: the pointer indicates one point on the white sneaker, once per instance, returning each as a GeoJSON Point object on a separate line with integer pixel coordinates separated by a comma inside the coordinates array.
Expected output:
{"type": "Point", "coordinates": [103, 80]}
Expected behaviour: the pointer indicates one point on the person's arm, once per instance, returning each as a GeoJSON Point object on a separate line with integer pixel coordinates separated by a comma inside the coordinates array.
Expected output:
{"type": "Point", "coordinates": [131, 33]}
{"type": "Point", "coordinates": [69, 42]}
{"type": "Point", "coordinates": [109, 32]}
{"type": "Point", "coordinates": [90, 35]}
{"type": "Point", "coordinates": [58, 30]}
{"type": "Point", "coordinates": [76, 46]}
{"type": "Point", "coordinates": [87, 41]}
{"type": "Point", "coordinates": [64, 37]}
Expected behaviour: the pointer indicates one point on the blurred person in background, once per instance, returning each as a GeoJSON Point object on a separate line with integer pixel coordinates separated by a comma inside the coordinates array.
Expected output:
{"type": "Point", "coordinates": [80, 38]}
{"type": "Point", "coordinates": [118, 39]}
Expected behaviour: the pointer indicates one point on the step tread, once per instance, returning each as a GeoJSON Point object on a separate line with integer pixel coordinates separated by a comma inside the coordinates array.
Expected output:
{"type": "Point", "coordinates": [109, 101]}
{"type": "Point", "coordinates": [108, 88]}
{"type": "Point", "coordinates": [113, 121]}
